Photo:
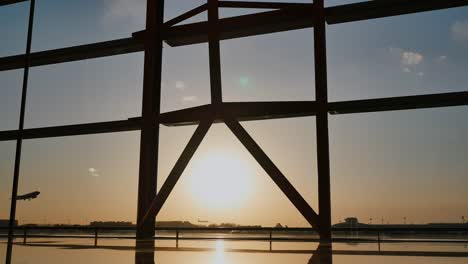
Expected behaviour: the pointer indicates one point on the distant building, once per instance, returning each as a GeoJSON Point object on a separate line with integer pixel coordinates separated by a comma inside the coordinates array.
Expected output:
{"type": "Point", "coordinates": [350, 222]}
{"type": "Point", "coordinates": [165, 224]}
{"type": "Point", "coordinates": [353, 222]}
{"type": "Point", "coordinates": [6, 222]}
{"type": "Point", "coordinates": [112, 224]}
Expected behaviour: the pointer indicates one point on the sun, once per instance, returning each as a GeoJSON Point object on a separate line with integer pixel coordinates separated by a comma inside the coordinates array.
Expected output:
{"type": "Point", "coordinates": [221, 179]}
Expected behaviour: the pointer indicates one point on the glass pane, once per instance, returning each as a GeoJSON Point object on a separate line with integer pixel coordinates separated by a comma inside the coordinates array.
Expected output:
{"type": "Point", "coordinates": [291, 144]}
{"type": "Point", "coordinates": [13, 28]}
{"type": "Point", "coordinates": [398, 56]}
{"type": "Point", "coordinates": [80, 179]}
{"type": "Point", "coordinates": [185, 77]}
{"type": "Point", "coordinates": [7, 162]}
{"type": "Point", "coordinates": [400, 167]}
{"type": "Point", "coordinates": [61, 24]}
{"type": "Point", "coordinates": [95, 90]}
{"type": "Point", "coordinates": [269, 67]}
{"type": "Point", "coordinates": [10, 100]}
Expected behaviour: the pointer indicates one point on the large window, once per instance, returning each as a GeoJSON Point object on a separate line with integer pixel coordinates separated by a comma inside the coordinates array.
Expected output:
{"type": "Point", "coordinates": [84, 114]}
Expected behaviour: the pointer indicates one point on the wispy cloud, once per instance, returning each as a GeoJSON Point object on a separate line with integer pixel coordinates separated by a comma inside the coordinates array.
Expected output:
{"type": "Point", "coordinates": [93, 172]}
{"type": "Point", "coordinates": [460, 30]}
{"type": "Point", "coordinates": [189, 99]}
{"type": "Point", "coordinates": [409, 60]}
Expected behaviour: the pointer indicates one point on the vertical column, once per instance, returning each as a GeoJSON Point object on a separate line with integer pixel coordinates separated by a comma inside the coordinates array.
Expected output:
{"type": "Point", "coordinates": [144, 252]}
{"type": "Point", "coordinates": [150, 113]}
{"type": "Point", "coordinates": [19, 142]}
{"type": "Point", "coordinates": [214, 52]}
{"type": "Point", "coordinates": [323, 154]}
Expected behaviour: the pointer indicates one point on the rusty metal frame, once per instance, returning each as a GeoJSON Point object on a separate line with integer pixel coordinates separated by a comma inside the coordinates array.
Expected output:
{"type": "Point", "coordinates": [278, 17]}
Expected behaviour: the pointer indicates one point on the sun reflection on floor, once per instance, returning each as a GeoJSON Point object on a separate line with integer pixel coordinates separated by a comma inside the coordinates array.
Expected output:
{"type": "Point", "coordinates": [219, 257]}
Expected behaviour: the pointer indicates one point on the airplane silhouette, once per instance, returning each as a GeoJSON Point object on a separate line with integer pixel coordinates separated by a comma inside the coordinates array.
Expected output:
{"type": "Point", "coordinates": [28, 196]}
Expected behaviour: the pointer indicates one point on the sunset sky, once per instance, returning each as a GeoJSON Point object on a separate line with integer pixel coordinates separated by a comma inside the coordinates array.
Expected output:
{"type": "Point", "coordinates": [387, 165]}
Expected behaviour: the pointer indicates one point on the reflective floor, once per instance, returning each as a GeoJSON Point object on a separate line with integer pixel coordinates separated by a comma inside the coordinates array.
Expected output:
{"type": "Point", "coordinates": [53, 251]}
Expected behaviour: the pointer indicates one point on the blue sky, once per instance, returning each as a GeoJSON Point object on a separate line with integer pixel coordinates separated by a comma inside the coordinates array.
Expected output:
{"type": "Point", "coordinates": [412, 163]}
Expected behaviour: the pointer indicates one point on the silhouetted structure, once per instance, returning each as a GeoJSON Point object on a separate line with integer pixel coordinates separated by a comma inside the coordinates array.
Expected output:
{"type": "Point", "coordinates": [111, 224]}
{"type": "Point", "coordinates": [353, 222]}
{"type": "Point", "coordinates": [279, 17]}
{"type": "Point", "coordinates": [5, 222]}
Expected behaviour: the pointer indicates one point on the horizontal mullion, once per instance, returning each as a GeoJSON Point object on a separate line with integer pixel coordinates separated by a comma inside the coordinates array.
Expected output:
{"type": "Point", "coordinates": [248, 111]}
{"type": "Point", "coordinates": [380, 9]}
{"type": "Point", "coordinates": [72, 130]}
{"type": "Point", "coordinates": [10, 2]}
{"type": "Point", "coordinates": [240, 26]}
{"type": "Point", "coordinates": [261, 5]}
{"type": "Point", "coordinates": [82, 52]}
{"type": "Point", "coordinates": [297, 18]}
{"type": "Point", "coordinates": [242, 111]}
{"type": "Point", "coordinates": [399, 103]}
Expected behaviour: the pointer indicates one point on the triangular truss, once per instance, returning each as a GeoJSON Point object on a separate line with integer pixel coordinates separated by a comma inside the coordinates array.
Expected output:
{"type": "Point", "coordinates": [265, 162]}
{"type": "Point", "coordinates": [232, 113]}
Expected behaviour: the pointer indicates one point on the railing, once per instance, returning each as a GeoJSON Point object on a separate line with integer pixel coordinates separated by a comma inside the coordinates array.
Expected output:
{"type": "Point", "coordinates": [363, 235]}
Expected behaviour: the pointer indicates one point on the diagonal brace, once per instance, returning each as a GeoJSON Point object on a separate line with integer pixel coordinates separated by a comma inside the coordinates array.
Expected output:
{"type": "Point", "coordinates": [276, 175]}
{"type": "Point", "coordinates": [178, 169]}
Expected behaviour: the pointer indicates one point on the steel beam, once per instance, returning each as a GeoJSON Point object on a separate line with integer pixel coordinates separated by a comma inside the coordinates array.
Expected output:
{"type": "Point", "coordinates": [214, 53]}
{"type": "Point", "coordinates": [276, 175]}
{"type": "Point", "coordinates": [248, 111]}
{"type": "Point", "coordinates": [81, 52]}
{"type": "Point", "coordinates": [72, 130]}
{"type": "Point", "coordinates": [242, 111]}
{"type": "Point", "coordinates": [233, 27]}
{"type": "Point", "coordinates": [379, 9]}
{"type": "Point", "coordinates": [321, 94]}
{"type": "Point", "coordinates": [10, 2]}
{"type": "Point", "coordinates": [399, 103]}
{"type": "Point", "coordinates": [149, 141]}
{"type": "Point", "coordinates": [241, 26]}
{"type": "Point", "coordinates": [177, 170]}
{"type": "Point", "coordinates": [298, 18]}
{"type": "Point", "coordinates": [262, 5]}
